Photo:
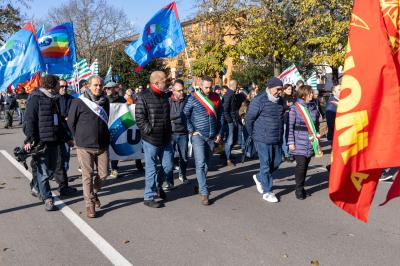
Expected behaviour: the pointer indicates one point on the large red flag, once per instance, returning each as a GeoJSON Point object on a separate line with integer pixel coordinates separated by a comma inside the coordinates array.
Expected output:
{"type": "Point", "coordinates": [367, 126]}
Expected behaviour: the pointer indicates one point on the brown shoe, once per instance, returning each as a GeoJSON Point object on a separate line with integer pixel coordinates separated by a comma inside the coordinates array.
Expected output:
{"type": "Point", "coordinates": [97, 202]}
{"type": "Point", "coordinates": [90, 212]}
{"type": "Point", "coordinates": [229, 163]}
{"type": "Point", "coordinates": [204, 200]}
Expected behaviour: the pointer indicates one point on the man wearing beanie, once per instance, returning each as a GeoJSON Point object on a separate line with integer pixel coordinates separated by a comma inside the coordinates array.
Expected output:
{"type": "Point", "coordinates": [264, 123]}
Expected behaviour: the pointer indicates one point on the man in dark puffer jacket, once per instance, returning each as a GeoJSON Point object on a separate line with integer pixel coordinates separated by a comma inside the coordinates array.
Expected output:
{"type": "Point", "coordinates": [152, 113]}
{"type": "Point", "coordinates": [264, 122]}
{"type": "Point", "coordinates": [44, 124]}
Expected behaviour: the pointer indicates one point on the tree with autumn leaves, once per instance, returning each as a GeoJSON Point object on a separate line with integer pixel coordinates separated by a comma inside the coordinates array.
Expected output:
{"type": "Point", "coordinates": [277, 33]}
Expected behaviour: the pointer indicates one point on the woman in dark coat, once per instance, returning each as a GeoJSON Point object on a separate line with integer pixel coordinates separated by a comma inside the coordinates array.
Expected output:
{"type": "Point", "coordinates": [288, 101]}
{"type": "Point", "coordinates": [298, 140]}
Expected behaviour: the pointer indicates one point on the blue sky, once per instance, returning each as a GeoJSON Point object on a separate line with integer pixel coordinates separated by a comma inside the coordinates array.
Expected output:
{"type": "Point", "coordinates": [138, 11]}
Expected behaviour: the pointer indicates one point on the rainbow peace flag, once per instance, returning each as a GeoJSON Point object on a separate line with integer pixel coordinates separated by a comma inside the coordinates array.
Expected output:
{"type": "Point", "coordinates": [57, 46]}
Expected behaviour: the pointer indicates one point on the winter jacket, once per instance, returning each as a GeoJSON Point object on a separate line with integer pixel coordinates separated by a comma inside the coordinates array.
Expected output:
{"type": "Point", "coordinates": [330, 114]}
{"type": "Point", "coordinates": [64, 103]}
{"type": "Point", "coordinates": [22, 100]}
{"type": "Point", "coordinates": [152, 117]}
{"type": "Point", "coordinates": [88, 129]}
{"type": "Point", "coordinates": [43, 121]}
{"type": "Point", "coordinates": [287, 99]}
{"type": "Point", "coordinates": [176, 108]}
{"type": "Point", "coordinates": [264, 120]}
{"type": "Point", "coordinates": [298, 133]}
{"type": "Point", "coordinates": [10, 102]}
{"type": "Point", "coordinates": [231, 107]}
{"type": "Point", "coordinates": [198, 120]}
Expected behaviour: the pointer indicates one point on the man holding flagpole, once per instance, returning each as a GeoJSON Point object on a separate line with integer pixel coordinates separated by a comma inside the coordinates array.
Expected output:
{"type": "Point", "coordinates": [203, 114]}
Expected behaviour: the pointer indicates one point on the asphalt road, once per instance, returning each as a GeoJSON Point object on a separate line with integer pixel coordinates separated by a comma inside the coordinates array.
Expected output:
{"type": "Point", "coordinates": [239, 228]}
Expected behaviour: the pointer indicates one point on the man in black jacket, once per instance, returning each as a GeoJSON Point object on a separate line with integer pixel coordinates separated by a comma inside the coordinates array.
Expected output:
{"type": "Point", "coordinates": [152, 114]}
{"type": "Point", "coordinates": [180, 137]}
{"type": "Point", "coordinates": [231, 114]}
{"type": "Point", "coordinates": [61, 176]}
{"type": "Point", "coordinates": [10, 105]}
{"type": "Point", "coordinates": [44, 125]}
{"type": "Point", "coordinates": [88, 121]}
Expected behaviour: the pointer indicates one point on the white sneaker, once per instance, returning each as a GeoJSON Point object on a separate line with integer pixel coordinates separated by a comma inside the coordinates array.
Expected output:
{"type": "Point", "coordinates": [114, 174]}
{"type": "Point", "coordinates": [258, 184]}
{"type": "Point", "coordinates": [270, 197]}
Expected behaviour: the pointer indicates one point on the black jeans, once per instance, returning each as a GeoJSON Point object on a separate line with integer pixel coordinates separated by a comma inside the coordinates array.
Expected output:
{"type": "Point", "coordinates": [301, 171]}
{"type": "Point", "coordinates": [9, 118]}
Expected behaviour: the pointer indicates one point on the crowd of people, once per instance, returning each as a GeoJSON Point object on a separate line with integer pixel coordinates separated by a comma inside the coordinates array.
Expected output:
{"type": "Point", "coordinates": [271, 121]}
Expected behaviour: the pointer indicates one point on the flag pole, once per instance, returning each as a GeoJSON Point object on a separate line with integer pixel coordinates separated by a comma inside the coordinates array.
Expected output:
{"type": "Point", "coordinates": [190, 67]}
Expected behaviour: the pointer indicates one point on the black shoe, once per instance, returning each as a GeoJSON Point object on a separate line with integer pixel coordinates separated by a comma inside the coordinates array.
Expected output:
{"type": "Point", "coordinates": [139, 165]}
{"type": "Point", "coordinates": [152, 204]}
{"type": "Point", "coordinates": [161, 194]}
{"type": "Point", "coordinates": [68, 191]}
{"type": "Point", "coordinates": [301, 195]}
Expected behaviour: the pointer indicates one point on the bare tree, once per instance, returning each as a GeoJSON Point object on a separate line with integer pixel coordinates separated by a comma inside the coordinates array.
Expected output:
{"type": "Point", "coordinates": [97, 26]}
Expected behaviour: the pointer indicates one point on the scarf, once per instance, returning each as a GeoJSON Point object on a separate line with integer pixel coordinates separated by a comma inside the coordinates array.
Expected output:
{"type": "Point", "coordinates": [99, 100]}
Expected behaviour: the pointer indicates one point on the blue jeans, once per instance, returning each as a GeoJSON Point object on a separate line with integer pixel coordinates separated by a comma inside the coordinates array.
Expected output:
{"type": "Point", "coordinates": [202, 149]}
{"type": "Point", "coordinates": [66, 153]}
{"type": "Point", "coordinates": [285, 147]}
{"type": "Point", "coordinates": [243, 135]}
{"type": "Point", "coordinates": [46, 166]}
{"type": "Point", "coordinates": [154, 179]}
{"type": "Point", "coordinates": [270, 158]}
{"type": "Point", "coordinates": [180, 143]}
{"type": "Point", "coordinates": [228, 143]}
{"type": "Point", "coordinates": [21, 114]}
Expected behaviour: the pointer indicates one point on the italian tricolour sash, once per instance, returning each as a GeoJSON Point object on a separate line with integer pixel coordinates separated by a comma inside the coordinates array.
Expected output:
{"type": "Point", "coordinates": [207, 103]}
{"type": "Point", "coordinates": [97, 109]}
{"type": "Point", "coordinates": [313, 135]}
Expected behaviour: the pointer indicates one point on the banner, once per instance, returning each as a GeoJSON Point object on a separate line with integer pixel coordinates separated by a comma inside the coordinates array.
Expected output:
{"type": "Point", "coordinates": [312, 81]}
{"type": "Point", "coordinates": [162, 37]}
{"type": "Point", "coordinates": [367, 125]}
{"type": "Point", "coordinates": [126, 142]}
{"type": "Point", "coordinates": [20, 57]}
{"type": "Point", "coordinates": [57, 46]}
{"type": "Point", "coordinates": [290, 75]}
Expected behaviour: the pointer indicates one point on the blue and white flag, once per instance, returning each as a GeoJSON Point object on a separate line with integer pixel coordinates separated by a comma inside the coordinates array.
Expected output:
{"type": "Point", "coordinates": [20, 57]}
{"type": "Point", "coordinates": [162, 37]}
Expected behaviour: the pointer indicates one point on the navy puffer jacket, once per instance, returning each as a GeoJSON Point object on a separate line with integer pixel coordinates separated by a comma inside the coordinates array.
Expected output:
{"type": "Point", "coordinates": [298, 133]}
{"type": "Point", "coordinates": [264, 120]}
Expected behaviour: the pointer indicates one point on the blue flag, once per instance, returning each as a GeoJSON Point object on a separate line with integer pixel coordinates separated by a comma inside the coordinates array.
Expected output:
{"type": "Point", "coordinates": [20, 57]}
{"type": "Point", "coordinates": [58, 49]}
{"type": "Point", "coordinates": [40, 32]}
{"type": "Point", "coordinates": [161, 37]}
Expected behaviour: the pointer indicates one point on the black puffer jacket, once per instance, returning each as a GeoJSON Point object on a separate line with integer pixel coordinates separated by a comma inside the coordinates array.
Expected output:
{"type": "Point", "coordinates": [41, 114]}
{"type": "Point", "coordinates": [152, 113]}
{"type": "Point", "coordinates": [231, 107]}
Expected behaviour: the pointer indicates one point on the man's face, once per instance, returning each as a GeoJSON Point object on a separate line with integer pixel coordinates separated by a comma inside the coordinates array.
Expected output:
{"type": "Point", "coordinates": [63, 87]}
{"type": "Point", "coordinates": [161, 84]}
{"type": "Point", "coordinates": [206, 87]}
{"type": "Point", "coordinates": [275, 91]}
{"type": "Point", "coordinates": [96, 87]}
{"type": "Point", "coordinates": [177, 90]}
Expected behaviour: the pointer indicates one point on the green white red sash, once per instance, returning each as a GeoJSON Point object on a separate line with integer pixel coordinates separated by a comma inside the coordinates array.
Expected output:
{"type": "Point", "coordinates": [313, 134]}
{"type": "Point", "coordinates": [207, 103]}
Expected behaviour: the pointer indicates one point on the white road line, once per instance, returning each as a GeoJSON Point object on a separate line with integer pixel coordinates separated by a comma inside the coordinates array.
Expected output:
{"type": "Point", "coordinates": [100, 243]}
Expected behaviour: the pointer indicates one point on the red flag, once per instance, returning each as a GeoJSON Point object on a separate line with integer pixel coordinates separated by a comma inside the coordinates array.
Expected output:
{"type": "Point", "coordinates": [367, 126]}
{"type": "Point", "coordinates": [29, 85]}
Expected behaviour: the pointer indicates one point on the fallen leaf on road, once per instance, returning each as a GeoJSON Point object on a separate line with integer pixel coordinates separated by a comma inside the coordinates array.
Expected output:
{"type": "Point", "coordinates": [5, 249]}
{"type": "Point", "coordinates": [314, 262]}
{"type": "Point", "coordinates": [126, 241]}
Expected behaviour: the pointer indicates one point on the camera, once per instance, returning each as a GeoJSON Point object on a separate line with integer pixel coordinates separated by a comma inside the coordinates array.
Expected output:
{"type": "Point", "coordinates": [21, 155]}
